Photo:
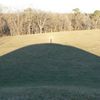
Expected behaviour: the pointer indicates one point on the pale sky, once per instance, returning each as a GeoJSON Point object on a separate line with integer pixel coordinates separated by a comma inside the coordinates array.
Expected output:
{"type": "Point", "coordinates": [54, 5]}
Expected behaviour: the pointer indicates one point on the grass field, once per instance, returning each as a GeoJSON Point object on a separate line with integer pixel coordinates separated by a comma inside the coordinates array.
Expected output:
{"type": "Point", "coordinates": [32, 68]}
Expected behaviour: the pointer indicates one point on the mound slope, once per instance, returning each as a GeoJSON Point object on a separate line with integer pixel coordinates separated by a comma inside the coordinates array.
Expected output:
{"type": "Point", "coordinates": [50, 64]}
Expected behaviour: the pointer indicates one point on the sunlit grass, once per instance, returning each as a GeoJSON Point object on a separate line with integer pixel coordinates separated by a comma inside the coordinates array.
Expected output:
{"type": "Point", "coordinates": [88, 40]}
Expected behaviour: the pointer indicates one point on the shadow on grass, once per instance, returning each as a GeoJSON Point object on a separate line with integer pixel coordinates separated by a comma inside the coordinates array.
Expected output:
{"type": "Point", "coordinates": [50, 64]}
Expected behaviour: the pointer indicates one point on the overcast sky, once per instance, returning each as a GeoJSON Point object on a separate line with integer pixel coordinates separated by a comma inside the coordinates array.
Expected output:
{"type": "Point", "coordinates": [54, 5]}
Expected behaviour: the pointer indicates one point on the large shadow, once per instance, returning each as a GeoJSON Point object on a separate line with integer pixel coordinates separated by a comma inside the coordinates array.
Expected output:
{"type": "Point", "coordinates": [50, 64]}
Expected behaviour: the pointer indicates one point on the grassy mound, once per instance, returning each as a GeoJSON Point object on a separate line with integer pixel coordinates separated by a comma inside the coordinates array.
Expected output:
{"type": "Point", "coordinates": [50, 64]}
{"type": "Point", "coordinates": [49, 72]}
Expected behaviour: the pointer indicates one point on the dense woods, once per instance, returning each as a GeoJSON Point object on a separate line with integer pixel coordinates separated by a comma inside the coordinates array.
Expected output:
{"type": "Point", "coordinates": [32, 21]}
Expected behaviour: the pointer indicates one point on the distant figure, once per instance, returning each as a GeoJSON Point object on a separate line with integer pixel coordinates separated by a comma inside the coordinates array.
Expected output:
{"type": "Point", "coordinates": [50, 40]}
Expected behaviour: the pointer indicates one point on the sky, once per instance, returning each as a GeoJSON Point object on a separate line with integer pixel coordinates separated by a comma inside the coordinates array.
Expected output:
{"type": "Point", "coordinates": [62, 6]}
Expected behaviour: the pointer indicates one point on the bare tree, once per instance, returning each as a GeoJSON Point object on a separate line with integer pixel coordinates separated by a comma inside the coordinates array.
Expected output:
{"type": "Point", "coordinates": [40, 20]}
{"type": "Point", "coordinates": [32, 21]}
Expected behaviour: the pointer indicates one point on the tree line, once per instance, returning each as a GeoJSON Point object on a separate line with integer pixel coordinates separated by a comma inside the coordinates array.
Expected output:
{"type": "Point", "coordinates": [32, 21]}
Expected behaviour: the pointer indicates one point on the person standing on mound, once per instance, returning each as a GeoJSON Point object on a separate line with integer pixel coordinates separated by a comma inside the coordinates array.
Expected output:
{"type": "Point", "coordinates": [50, 40]}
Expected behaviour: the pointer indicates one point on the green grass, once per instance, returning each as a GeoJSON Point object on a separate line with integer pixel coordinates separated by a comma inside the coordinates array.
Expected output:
{"type": "Point", "coordinates": [50, 72]}
{"type": "Point", "coordinates": [49, 93]}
